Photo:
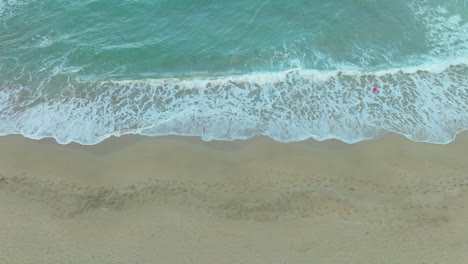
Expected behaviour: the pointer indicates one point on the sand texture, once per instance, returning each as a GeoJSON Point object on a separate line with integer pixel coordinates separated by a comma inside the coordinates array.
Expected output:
{"type": "Point", "coordinates": [181, 200]}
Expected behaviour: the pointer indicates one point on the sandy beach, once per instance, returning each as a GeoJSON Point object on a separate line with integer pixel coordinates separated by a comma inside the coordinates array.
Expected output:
{"type": "Point", "coordinates": [175, 200]}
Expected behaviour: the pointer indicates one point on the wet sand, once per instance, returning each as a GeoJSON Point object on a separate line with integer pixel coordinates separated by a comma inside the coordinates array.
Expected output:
{"type": "Point", "coordinates": [181, 200]}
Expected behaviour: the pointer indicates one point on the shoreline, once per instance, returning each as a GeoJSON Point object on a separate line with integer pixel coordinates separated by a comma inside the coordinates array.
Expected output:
{"type": "Point", "coordinates": [172, 199]}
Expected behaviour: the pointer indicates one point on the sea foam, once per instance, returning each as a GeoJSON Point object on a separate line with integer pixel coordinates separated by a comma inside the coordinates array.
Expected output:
{"type": "Point", "coordinates": [423, 105]}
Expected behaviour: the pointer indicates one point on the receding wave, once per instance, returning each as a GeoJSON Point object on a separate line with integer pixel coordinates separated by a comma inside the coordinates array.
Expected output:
{"type": "Point", "coordinates": [426, 103]}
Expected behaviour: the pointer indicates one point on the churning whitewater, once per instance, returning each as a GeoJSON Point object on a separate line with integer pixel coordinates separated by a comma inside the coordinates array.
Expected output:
{"type": "Point", "coordinates": [151, 76]}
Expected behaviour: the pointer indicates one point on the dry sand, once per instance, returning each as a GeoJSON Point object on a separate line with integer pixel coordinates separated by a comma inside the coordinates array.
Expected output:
{"type": "Point", "coordinates": [181, 200]}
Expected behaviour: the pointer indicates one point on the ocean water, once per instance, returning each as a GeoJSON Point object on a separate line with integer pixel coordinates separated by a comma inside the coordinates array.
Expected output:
{"type": "Point", "coordinates": [83, 71]}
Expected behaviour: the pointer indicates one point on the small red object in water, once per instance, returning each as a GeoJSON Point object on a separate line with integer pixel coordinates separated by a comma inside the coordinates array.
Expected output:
{"type": "Point", "coordinates": [375, 90]}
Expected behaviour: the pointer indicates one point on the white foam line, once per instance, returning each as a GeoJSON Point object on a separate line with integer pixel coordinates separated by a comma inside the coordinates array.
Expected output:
{"type": "Point", "coordinates": [263, 78]}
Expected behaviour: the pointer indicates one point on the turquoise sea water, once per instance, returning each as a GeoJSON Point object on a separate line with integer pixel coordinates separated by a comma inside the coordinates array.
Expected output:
{"type": "Point", "coordinates": [85, 70]}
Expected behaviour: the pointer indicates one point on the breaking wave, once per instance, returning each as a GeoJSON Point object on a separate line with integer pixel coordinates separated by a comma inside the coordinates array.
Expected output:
{"type": "Point", "coordinates": [427, 103]}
